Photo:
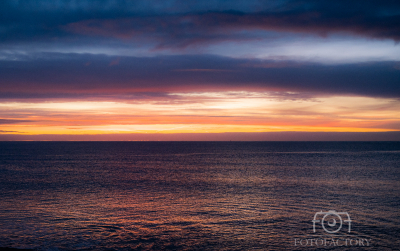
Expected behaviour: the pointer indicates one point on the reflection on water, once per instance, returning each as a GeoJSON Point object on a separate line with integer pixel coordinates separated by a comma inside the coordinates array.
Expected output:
{"type": "Point", "coordinates": [194, 195]}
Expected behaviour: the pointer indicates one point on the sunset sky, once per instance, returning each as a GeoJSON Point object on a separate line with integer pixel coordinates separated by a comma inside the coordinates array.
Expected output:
{"type": "Point", "coordinates": [199, 70]}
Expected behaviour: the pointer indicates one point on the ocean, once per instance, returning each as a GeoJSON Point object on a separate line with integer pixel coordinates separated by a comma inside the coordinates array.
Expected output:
{"type": "Point", "coordinates": [200, 195]}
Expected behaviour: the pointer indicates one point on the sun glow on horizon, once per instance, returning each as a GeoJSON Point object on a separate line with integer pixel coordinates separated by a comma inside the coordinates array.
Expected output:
{"type": "Point", "coordinates": [203, 112]}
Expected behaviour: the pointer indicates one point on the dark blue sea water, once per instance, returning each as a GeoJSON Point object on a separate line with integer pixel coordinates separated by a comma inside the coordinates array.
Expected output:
{"type": "Point", "coordinates": [200, 195]}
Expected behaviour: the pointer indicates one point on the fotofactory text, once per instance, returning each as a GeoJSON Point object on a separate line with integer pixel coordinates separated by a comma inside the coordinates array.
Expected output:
{"type": "Point", "coordinates": [332, 229]}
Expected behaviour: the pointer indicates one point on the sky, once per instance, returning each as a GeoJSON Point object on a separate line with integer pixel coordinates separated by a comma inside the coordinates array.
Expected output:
{"type": "Point", "coordinates": [199, 70]}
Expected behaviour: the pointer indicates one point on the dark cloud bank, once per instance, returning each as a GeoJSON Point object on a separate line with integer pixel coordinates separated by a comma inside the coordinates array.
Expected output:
{"type": "Point", "coordinates": [55, 75]}
{"type": "Point", "coordinates": [179, 23]}
{"type": "Point", "coordinates": [262, 136]}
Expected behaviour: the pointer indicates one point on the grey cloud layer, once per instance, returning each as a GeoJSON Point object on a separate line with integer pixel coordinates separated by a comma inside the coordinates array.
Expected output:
{"type": "Point", "coordinates": [180, 23]}
{"type": "Point", "coordinates": [52, 75]}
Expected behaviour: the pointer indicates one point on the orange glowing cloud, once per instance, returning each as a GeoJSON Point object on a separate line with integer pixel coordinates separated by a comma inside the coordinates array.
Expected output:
{"type": "Point", "coordinates": [212, 112]}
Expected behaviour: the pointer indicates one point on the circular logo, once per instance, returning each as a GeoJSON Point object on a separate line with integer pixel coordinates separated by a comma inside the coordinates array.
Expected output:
{"type": "Point", "coordinates": [333, 222]}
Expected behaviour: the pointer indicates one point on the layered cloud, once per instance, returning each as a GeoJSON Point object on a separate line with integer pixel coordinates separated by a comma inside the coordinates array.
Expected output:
{"type": "Point", "coordinates": [203, 112]}
{"type": "Point", "coordinates": [322, 31]}
{"type": "Point", "coordinates": [184, 22]}
{"type": "Point", "coordinates": [175, 66]}
{"type": "Point", "coordinates": [92, 75]}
